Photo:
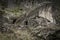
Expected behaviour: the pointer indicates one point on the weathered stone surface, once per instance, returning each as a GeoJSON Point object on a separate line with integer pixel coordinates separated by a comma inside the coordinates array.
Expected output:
{"type": "Point", "coordinates": [37, 24]}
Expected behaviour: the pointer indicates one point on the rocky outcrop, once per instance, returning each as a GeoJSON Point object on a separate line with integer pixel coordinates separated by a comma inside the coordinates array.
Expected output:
{"type": "Point", "coordinates": [41, 21]}
{"type": "Point", "coordinates": [37, 24]}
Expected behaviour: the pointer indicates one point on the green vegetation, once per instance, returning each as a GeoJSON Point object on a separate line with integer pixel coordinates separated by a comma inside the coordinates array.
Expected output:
{"type": "Point", "coordinates": [16, 11]}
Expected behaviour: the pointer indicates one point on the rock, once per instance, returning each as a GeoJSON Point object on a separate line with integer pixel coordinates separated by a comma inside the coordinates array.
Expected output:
{"type": "Point", "coordinates": [54, 36]}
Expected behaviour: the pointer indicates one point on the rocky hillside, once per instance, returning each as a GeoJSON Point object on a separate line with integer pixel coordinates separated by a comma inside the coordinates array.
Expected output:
{"type": "Point", "coordinates": [29, 20]}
